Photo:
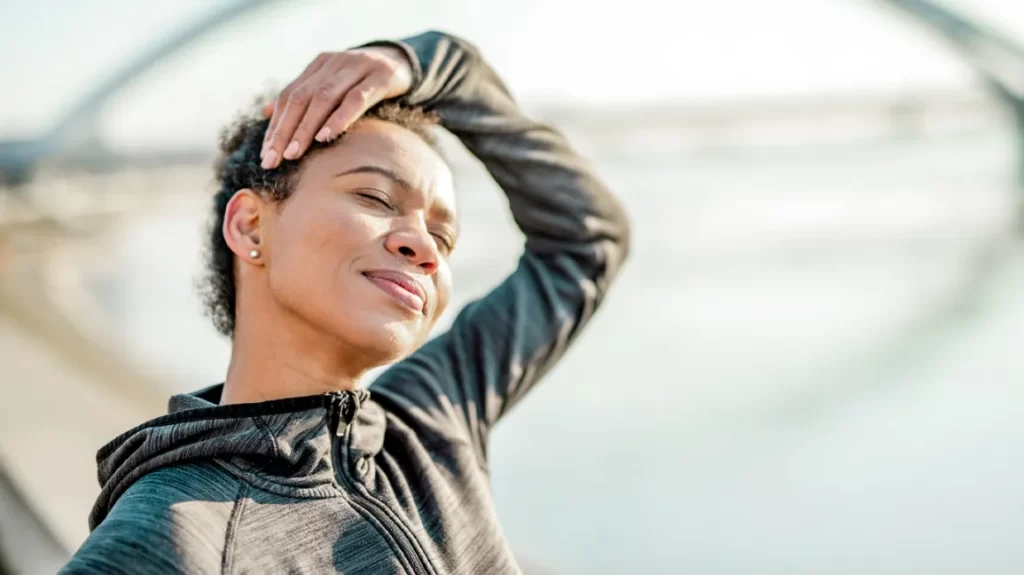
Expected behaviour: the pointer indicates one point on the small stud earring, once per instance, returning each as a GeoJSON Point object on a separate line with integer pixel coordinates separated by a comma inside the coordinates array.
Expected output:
{"type": "Point", "coordinates": [254, 254]}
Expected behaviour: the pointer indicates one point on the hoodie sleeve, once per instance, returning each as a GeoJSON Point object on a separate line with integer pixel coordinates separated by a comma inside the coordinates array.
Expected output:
{"type": "Point", "coordinates": [154, 527]}
{"type": "Point", "coordinates": [577, 237]}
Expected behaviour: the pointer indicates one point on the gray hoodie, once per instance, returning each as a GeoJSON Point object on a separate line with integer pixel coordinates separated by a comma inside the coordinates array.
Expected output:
{"type": "Point", "coordinates": [394, 478]}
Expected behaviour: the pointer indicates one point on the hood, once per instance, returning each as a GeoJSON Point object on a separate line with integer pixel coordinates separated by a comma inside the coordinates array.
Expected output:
{"type": "Point", "coordinates": [285, 446]}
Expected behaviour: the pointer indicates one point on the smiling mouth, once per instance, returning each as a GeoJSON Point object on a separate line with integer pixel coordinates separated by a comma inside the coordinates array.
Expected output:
{"type": "Point", "coordinates": [400, 291]}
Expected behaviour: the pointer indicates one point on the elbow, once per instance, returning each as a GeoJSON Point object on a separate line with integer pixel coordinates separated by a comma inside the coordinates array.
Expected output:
{"type": "Point", "coordinates": [614, 249]}
{"type": "Point", "coordinates": [624, 236]}
{"type": "Point", "coordinates": [620, 235]}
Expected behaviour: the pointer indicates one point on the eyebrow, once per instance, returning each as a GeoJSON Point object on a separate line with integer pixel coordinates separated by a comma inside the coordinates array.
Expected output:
{"type": "Point", "coordinates": [386, 172]}
{"type": "Point", "coordinates": [393, 176]}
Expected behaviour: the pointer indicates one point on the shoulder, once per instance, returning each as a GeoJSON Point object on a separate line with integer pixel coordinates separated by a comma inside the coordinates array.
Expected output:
{"type": "Point", "coordinates": [203, 481]}
{"type": "Point", "coordinates": [171, 520]}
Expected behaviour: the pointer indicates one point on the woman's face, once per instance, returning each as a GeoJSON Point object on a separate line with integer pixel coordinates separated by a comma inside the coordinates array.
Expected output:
{"type": "Point", "coordinates": [359, 251]}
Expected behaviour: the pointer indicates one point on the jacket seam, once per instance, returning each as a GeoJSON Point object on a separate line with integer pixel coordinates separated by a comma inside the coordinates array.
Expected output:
{"type": "Point", "coordinates": [387, 536]}
{"type": "Point", "coordinates": [260, 423]}
{"type": "Point", "coordinates": [339, 456]}
{"type": "Point", "coordinates": [232, 529]}
{"type": "Point", "coordinates": [408, 532]}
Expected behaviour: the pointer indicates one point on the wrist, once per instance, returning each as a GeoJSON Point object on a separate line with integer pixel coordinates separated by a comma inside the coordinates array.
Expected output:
{"type": "Point", "coordinates": [403, 56]}
{"type": "Point", "coordinates": [395, 54]}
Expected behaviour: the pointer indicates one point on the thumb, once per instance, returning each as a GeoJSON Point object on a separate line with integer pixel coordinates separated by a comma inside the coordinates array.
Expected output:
{"type": "Point", "coordinates": [268, 109]}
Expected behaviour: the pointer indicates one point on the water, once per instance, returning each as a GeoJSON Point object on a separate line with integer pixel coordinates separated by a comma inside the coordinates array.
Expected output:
{"type": "Point", "coordinates": [808, 365]}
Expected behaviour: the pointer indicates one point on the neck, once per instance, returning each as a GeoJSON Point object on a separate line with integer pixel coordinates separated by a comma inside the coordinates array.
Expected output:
{"type": "Point", "coordinates": [280, 359]}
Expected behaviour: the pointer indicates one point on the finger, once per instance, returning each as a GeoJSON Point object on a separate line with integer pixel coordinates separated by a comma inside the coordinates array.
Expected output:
{"type": "Point", "coordinates": [275, 117]}
{"type": "Point", "coordinates": [358, 100]}
{"type": "Point", "coordinates": [294, 110]}
{"type": "Point", "coordinates": [325, 100]}
{"type": "Point", "coordinates": [268, 110]}
{"type": "Point", "coordinates": [281, 100]}
{"type": "Point", "coordinates": [291, 97]}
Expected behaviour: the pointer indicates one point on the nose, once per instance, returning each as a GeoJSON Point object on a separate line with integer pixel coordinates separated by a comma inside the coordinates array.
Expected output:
{"type": "Point", "coordinates": [415, 245]}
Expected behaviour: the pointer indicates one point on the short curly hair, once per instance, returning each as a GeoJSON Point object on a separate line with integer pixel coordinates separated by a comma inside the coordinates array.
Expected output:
{"type": "Point", "coordinates": [238, 167]}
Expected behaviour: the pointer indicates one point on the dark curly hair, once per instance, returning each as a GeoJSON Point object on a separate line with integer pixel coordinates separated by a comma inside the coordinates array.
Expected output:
{"type": "Point", "coordinates": [238, 167]}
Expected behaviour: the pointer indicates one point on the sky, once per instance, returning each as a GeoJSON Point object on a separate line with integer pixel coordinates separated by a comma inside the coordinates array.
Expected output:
{"type": "Point", "coordinates": [574, 52]}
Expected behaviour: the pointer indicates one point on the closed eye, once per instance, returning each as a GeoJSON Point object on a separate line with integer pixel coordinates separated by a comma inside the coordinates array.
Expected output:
{"type": "Point", "coordinates": [376, 198]}
{"type": "Point", "coordinates": [444, 242]}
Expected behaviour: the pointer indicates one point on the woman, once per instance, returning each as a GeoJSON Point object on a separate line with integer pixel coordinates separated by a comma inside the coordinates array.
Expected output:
{"type": "Point", "coordinates": [330, 258]}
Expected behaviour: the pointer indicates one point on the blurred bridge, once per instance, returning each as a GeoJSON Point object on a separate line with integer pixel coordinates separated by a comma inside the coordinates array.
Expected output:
{"type": "Point", "coordinates": [59, 378]}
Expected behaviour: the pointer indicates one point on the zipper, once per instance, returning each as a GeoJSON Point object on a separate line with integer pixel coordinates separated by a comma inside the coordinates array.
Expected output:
{"type": "Point", "coordinates": [342, 407]}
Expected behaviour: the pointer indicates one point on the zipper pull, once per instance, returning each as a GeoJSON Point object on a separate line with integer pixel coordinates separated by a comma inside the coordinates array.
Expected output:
{"type": "Point", "coordinates": [342, 407]}
{"type": "Point", "coordinates": [346, 413]}
{"type": "Point", "coordinates": [333, 405]}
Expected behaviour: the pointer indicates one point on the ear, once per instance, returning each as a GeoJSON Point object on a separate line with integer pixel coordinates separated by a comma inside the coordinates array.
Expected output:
{"type": "Point", "coordinates": [242, 226]}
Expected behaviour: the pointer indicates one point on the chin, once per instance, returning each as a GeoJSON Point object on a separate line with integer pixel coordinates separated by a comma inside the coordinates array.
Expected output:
{"type": "Point", "coordinates": [384, 340]}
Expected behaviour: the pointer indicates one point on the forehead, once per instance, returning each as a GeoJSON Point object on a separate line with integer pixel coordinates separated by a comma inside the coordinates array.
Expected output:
{"type": "Point", "coordinates": [392, 148]}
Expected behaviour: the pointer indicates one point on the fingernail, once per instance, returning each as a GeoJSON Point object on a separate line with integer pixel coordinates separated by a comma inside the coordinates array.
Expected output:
{"type": "Point", "coordinates": [269, 159]}
{"type": "Point", "coordinates": [323, 135]}
{"type": "Point", "coordinates": [292, 150]}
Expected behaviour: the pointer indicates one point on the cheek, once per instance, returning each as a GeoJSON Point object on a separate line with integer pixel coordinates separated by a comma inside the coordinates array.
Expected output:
{"type": "Point", "coordinates": [326, 228]}
{"type": "Point", "coordinates": [331, 229]}
{"type": "Point", "coordinates": [314, 250]}
{"type": "Point", "coordinates": [443, 283]}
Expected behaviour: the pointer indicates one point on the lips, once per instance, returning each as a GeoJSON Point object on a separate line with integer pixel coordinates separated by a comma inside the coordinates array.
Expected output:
{"type": "Point", "coordinates": [402, 287]}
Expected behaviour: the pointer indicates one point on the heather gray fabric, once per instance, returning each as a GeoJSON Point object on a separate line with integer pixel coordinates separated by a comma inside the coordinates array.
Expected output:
{"type": "Point", "coordinates": [392, 479]}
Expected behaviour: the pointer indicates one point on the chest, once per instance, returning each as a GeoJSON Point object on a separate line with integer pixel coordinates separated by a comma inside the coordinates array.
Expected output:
{"type": "Point", "coordinates": [410, 508]}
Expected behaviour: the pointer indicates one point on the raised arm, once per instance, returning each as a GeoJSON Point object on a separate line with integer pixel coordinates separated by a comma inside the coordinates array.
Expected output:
{"type": "Point", "coordinates": [577, 237]}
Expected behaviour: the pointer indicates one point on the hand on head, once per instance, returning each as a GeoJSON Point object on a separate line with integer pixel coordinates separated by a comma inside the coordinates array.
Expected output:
{"type": "Point", "coordinates": [332, 93]}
